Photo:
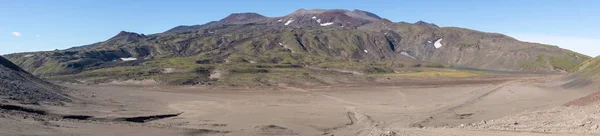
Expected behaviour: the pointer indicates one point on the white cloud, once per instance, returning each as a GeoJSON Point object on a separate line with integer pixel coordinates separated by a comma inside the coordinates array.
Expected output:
{"type": "Point", "coordinates": [584, 45]}
{"type": "Point", "coordinates": [17, 34]}
{"type": "Point", "coordinates": [37, 35]}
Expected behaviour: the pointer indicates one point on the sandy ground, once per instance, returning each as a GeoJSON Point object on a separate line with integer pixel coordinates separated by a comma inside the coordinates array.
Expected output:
{"type": "Point", "coordinates": [429, 109]}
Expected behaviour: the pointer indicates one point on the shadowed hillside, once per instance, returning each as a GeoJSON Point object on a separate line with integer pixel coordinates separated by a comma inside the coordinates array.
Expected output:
{"type": "Point", "coordinates": [17, 84]}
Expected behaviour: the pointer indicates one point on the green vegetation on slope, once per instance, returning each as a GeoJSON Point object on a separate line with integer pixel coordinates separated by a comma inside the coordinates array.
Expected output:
{"type": "Point", "coordinates": [266, 53]}
{"type": "Point", "coordinates": [557, 62]}
{"type": "Point", "coordinates": [590, 68]}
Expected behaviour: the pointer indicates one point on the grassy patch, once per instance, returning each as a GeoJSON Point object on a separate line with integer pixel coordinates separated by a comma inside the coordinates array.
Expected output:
{"type": "Point", "coordinates": [439, 73]}
{"type": "Point", "coordinates": [533, 65]}
{"type": "Point", "coordinates": [377, 69]}
{"type": "Point", "coordinates": [343, 64]}
{"type": "Point", "coordinates": [366, 67]}
{"type": "Point", "coordinates": [276, 76]}
{"type": "Point", "coordinates": [562, 62]}
{"type": "Point", "coordinates": [435, 65]}
{"type": "Point", "coordinates": [589, 68]}
{"type": "Point", "coordinates": [177, 78]}
{"type": "Point", "coordinates": [189, 74]}
{"type": "Point", "coordinates": [248, 70]}
{"type": "Point", "coordinates": [181, 63]}
{"type": "Point", "coordinates": [49, 67]}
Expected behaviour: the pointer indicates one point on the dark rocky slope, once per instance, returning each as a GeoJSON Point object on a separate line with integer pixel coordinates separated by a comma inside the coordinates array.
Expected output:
{"type": "Point", "coordinates": [16, 84]}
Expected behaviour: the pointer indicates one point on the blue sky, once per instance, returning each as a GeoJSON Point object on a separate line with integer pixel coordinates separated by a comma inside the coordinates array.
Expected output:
{"type": "Point", "coordinates": [35, 25]}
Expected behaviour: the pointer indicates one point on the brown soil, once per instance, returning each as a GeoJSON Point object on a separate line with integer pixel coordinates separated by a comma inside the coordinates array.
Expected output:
{"type": "Point", "coordinates": [592, 98]}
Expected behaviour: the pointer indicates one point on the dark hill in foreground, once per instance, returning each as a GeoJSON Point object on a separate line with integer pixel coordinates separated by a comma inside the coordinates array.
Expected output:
{"type": "Point", "coordinates": [17, 84]}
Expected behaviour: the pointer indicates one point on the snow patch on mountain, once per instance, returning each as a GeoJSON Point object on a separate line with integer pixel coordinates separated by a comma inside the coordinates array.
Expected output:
{"type": "Point", "coordinates": [287, 47]}
{"type": "Point", "coordinates": [315, 18]}
{"type": "Point", "coordinates": [438, 43]}
{"type": "Point", "coordinates": [289, 22]}
{"type": "Point", "coordinates": [407, 55]}
{"type": "Point", "coordinates": [128, 59]}
{"type": "Point", "coordinates": [327, 24]}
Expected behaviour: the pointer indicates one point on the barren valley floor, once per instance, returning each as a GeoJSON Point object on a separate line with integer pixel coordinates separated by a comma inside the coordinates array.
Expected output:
{"type": "Point", "coordinates": [436, 108]}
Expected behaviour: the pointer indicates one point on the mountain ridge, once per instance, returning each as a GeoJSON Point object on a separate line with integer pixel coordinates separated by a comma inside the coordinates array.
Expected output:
{"type": "Point", "coordinates": [305, 16]}
{"type": "Point", "coordinates": [307, 38]}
